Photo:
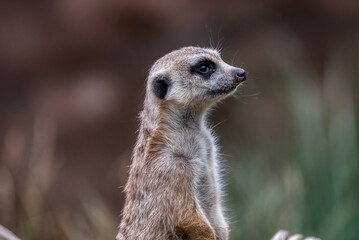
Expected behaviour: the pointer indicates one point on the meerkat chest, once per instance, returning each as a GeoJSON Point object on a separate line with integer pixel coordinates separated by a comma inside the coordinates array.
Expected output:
{"type": "Point", "coordinates": [197, 146]}
{"type": "Point", "coordinates": [205, 168]}
{"type": "Point", "coordinates": [208, 148]}
{"type": "Point", "coordinates": [207, 179]}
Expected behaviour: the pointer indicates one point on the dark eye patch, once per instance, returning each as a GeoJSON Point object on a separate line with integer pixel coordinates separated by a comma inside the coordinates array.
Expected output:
{"type": "Point", "coordinates": [205, 68]}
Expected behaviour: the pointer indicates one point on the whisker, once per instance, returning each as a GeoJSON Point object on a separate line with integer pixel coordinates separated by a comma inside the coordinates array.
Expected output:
{"type": "Point", "coordinates": [213, 127]}
{"type": "Point", "coordinates": [210, 36]}
{"type": "Point", "coordinates": [234, 57]}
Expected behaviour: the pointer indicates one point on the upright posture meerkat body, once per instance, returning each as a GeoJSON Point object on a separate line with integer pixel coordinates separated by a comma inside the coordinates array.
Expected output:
{"type": "Point", "coordinates": [174, 188]}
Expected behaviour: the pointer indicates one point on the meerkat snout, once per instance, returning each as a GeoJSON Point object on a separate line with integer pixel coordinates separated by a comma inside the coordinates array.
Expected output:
{"type": "Point", "coordinates": [240, 74]}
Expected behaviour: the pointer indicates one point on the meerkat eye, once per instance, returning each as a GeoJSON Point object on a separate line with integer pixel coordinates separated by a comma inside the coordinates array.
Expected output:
{"type": "Point", "coordinates": [205, 68]}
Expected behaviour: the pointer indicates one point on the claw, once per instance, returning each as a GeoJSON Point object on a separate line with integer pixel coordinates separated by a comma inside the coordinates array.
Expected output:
{"type": "Point", "coordinates": [284, 235]}
{"type": "Point", "coordinates": [281, 235]}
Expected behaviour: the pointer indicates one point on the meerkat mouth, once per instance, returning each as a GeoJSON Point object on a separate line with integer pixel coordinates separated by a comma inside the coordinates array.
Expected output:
{"type": "Point", "coordinates": [224, 91]}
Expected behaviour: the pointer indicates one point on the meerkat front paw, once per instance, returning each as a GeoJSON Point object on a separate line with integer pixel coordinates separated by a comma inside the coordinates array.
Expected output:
{"type": "Point", "coordinates": [284, 235]}
{"type": "Point", "coordinates": [220, 227]}
{"type": "Point", "coordinates": [222, 234]}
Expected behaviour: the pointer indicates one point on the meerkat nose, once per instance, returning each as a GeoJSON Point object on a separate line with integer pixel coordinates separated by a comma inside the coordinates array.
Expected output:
{"type": "Point", "coordinates": [240, 74]}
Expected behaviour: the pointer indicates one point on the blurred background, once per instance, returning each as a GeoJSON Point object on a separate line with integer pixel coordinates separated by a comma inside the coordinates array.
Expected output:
{"type": "Point", "coordinates": [72, 75]}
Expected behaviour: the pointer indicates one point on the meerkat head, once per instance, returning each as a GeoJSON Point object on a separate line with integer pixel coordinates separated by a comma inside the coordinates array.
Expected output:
{"type": "Point", "coordinates": [193, 77]}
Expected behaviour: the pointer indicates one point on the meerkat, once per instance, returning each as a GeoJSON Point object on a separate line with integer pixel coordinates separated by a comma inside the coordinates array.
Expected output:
{"type": "Point", "coordinates": [174, 189]}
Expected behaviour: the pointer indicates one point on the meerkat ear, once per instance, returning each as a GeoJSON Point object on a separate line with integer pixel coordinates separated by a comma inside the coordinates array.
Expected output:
{"type": "Point", "coordinates": [160, 85]}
